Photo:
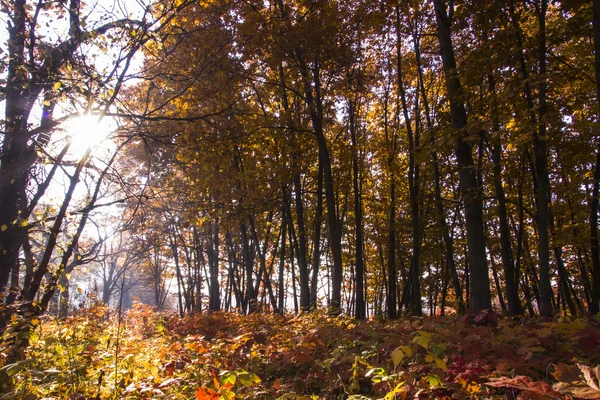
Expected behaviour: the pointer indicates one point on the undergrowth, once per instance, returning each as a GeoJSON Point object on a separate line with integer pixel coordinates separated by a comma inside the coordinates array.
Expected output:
{"type": "Point", "coordinates": [312, 356]}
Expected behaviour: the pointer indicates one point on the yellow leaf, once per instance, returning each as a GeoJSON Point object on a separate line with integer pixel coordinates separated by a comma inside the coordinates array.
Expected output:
{"type": "Point", "coordinates": [407, 350]}
{"type": "Point", "coordinates": [397, 356]}
{"type": "Point", "coordinates": [3, 228]}
{"type": "Point", "coordinates": [47, 103]}
{"type": "Point", "coordinates": [473, 388]}
{"type": "Point", "coordinates": [429, 357]}
{"type": "Point", "coordinates": [57, 86]}
{"type": "Point", "coordinates": [24, 223]}
{"type": "Point", "coordinates": [423, 339]}
{"type": "Point", "coordinates": [440, 363]}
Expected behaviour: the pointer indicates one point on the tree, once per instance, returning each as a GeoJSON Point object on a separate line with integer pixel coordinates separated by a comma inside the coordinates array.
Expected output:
{"type": "Point", "coordinates": [594, 305]}
{"type": "Point", "coordinates": [53, 74]}
{"type": "Point", "coordinates": [480, 298]}
{"type": "Point", "coordinates": [256, 112]}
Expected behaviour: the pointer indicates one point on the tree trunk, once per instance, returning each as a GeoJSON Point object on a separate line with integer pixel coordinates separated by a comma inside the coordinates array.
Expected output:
{"type": "Point", "coordinates": [175, 253]}
{"type": "Point", "coordinates": [414, 300]}
{"type": "Point", "coordinates": [302, 262]}
{"type": "Point", "coordinates": [512, 292]}
{"type": "Point", "coordinates": [541, 166]}
{"type": "Point", "coordinates": [250, 298]}
{"type": "Point", "coordinates": [359, 311]}
{"type": "Point", "coordinates": [214, 303]}
{"type": "Point", "coordinates": [480, 295]}
{"type": "Point", "coordinates": [315, 107]}
{"type": "Point", "coordinates": [448, 242]}
{"type": "Point", "coordinates": [12, 177]}
{"type": "Point", "coordinates": [264, 274]}
{"type": "Point", "coordinates": [281, 282]}
{"type": "Point", "coordinates": [594, 305]}
{"type": "Point", "coordinates": [392, 275]}
{"type": "Point", "coordinates": [316, 260]}
{"type": "Point", "coordinates": [293, 275]}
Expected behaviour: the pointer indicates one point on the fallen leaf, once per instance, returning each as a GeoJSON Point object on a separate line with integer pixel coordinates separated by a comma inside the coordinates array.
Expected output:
{"type": "Point", "coordinates": [566, 373]}
{"type": "Point", "coordinates": [168, 382]}
{"type": "Point", "coordinates": [526, 384]}
{"type": "Point", "coordinates": [577, 391]}
{"type": "Point", "coordinates": [591, 375]}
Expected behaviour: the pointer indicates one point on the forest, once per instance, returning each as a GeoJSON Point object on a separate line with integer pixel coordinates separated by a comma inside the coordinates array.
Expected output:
{"type": "Point", "coordinates": [299, 199]}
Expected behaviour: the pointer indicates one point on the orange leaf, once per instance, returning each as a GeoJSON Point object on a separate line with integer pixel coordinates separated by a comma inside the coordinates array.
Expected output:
{"type": "Point", "coordinates": [176, 346]}
{"type": "Point", "coordinates": [277, 384]}
{"type": "Point", "coordinates": [215, 380]}
{"type": "Point", "coordinates": [206, 394]}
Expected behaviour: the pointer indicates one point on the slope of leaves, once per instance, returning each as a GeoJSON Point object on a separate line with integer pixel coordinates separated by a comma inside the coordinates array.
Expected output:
{"type": "Point", "coordinates": [311, 356]}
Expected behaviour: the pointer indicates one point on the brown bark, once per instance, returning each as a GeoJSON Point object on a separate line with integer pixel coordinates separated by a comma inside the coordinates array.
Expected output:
{"type": "Point", "coordinates": [316, 259]}
{"type": "Point", "coordinates": [414, 299]}
{"type": "Point", "coordinates": [510, 280]}
{"type": "Point", "coordinates": [315, 108]}
{"type": "Point", "coordinates": [594, 305]}
{"type": "Point", "coordinates": [359, 311]}
{"type": "Point", "coordinates": [479, 291]}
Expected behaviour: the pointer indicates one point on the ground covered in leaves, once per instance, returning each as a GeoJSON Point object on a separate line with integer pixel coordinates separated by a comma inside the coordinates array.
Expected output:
{"type": "Point", "coordinates": [147, 355]}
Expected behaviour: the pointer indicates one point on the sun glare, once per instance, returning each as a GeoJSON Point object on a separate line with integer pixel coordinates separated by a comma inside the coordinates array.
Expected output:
{"type": "Point", "coordinates": [87, 131]}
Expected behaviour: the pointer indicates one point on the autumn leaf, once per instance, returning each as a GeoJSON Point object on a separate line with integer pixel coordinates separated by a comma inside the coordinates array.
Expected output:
{"type": "Point", "coordinates": [277, 384]}
{"type": "Point", "coordinates": [422, 339]}
{"type": "Point", "coordinates": [588, 389]}
{"type": "Point", "coordinates": [440, 363]}
{"type": "Point", "coordinates": [566, 373]}
{"type": "Point", "coordinates": [526, 384]}
{"type": "Point", "coordinates": [397, 356]}
{"type": "Point", "coordinates": [591, 375]}
{"type": "Point", "coordinates": [206, 394]}
{"type": "Point", "coordinates": [175, 347]}
{"type": "Point", "coordinates": [168, 382]}
{"type": "Point", "coordinates": [577, 391]}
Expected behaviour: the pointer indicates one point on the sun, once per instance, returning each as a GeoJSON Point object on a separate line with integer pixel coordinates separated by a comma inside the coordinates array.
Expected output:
{"type": "Point", "coordinates": [88, 131]}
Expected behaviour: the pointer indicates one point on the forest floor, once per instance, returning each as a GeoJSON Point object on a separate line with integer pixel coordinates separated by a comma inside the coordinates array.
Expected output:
{"type": "Point", "coordinates": [147, 355]}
